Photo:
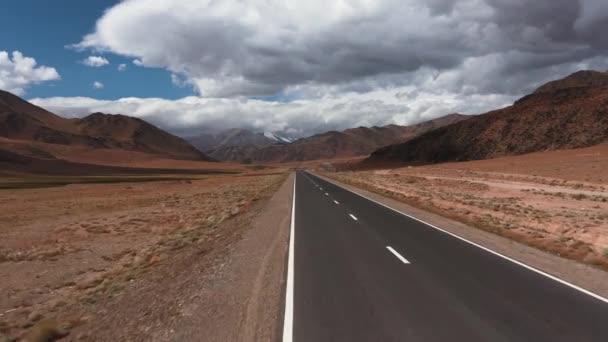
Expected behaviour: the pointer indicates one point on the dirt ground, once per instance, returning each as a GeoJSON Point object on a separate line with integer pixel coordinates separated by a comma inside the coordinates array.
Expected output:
{"type": "Point", "coordinates": [555, 201]}
{"type": "Point", "coordinates": [67, 251]}
{"type": "Point", "coordinates": [583, 164]}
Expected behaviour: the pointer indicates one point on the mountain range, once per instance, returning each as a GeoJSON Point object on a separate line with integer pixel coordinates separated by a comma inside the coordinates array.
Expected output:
{"type": "Point", "coordinates": [568, 113]}
{"type": "Point", "coordinates": [563, 114]}
{"type": "Point", "coordinates": [352, 142]}
{"type": "Point", "coordinates": [35, 132]}
{"type": "Point", "coordinates": [236, 144]}
{"type": "Point", "coordinates": [209, 141]}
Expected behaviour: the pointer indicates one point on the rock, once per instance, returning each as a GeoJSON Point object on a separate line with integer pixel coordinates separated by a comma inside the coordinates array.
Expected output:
{"type": "Point", "coordinates": [84, 319]}
{"type": "Point", "coordinates": [90, 281]}
{"type": "Point", "coordinates": [26, 324]}
{"type": "Point", "coordinates": [155, 259]}
{"type": "Point", "coordinates": [82, 337]}
{"type": "Point", "coordinates": [34, 316]}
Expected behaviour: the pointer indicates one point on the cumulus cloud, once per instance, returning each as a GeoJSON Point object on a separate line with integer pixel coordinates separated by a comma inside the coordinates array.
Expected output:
{"type": "Point", "coordinates": [343, 63]}
{"type": "Point", "coordinates": [20, 72]}
{"type": "Point", "coordinates": [97, 85]}
{"type": "Point", "coordinates": [95, 61]}
{"type": "Point", "coordinates": [122, 67]}
{"type": "Point", "coordinates": [261, 47]}
{"type": "Point", "coordinates": [180, 81]}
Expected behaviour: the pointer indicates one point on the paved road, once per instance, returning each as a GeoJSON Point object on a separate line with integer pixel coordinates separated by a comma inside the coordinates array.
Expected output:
{"type": "Point", "coordinates": [362, 272]}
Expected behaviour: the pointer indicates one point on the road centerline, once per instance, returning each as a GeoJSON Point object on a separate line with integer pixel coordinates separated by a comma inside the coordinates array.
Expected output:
{"type": "Point", "coordinates": [353, 217]}
{"type": "Point", "coordinates": [399, 256]}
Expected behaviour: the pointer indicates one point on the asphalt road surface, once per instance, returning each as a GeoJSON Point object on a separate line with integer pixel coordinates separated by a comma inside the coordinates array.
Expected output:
{"type": "Point", "coordinates": [359, 271]}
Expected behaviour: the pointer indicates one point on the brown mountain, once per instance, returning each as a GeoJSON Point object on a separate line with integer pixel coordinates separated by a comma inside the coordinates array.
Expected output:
{"type": "Point", "coordinates": [584, 78]}
{"type": "Point", "coordinates": [24, 124]}
{"type": "Point", "coordinates": [209, 141]}
{"type": "Point", "coordinates": [236, 153]}
{"type": "Point", "coordinates": [568, 113]}
{"type": "Point", "coordinates": [351, 142]}
{"type": "Point", "coordinates": [133, 134]}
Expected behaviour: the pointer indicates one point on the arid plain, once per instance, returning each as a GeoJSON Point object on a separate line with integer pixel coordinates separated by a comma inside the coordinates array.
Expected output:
{"type": "Point", "coordinates": [66, 248]}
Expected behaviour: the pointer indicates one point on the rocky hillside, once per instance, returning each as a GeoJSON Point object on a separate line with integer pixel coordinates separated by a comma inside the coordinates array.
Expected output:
{"type": "Point", "coordinates": [351, 142]}
{"type": "Point", "coordinates": [584, 78]}
{"type": "Point", "coordinates": [209, 141]}
{"type": "Point", "coordinates": [24, 122]}
{"type": "Point", "coordinates": [238, 153]}
{"type": "Point", "coordinates": [568, 113]}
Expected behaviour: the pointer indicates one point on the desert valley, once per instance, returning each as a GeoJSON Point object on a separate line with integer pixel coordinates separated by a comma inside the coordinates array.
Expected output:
{"type": "Point", "coordinates": [303, 170]}
{"type": "Point", "coordinates": [99, 213]}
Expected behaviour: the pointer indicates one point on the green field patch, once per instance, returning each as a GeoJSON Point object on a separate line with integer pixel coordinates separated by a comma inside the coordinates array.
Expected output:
{"type": "Point", "coordinates": [49, 182]}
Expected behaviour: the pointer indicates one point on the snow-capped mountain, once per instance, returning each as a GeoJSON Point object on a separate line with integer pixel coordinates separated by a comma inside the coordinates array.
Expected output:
{"type": "Point", "coordinates": [279, 138]}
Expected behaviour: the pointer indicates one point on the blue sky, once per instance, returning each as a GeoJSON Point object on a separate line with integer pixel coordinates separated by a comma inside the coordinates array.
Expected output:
{"type": "Point", "coordinates": [299, 66]}
{"type": "Point", "coordinates": [42, 29]}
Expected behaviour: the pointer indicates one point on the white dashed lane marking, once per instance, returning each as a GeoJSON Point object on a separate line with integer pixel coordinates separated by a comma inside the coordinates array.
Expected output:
{"type": "Point", "coordinates": [399, 256]}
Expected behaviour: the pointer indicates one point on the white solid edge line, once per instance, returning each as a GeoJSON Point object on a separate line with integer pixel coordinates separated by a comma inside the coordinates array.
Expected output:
{"type": "Point", "coordinates": [353, 217]}
{"type": "Point", "coordinates": [399, 256]}
{"type": "Point", "coordinates": [561, 281]}
{"type": "Point", "coordinates": [288, 321]}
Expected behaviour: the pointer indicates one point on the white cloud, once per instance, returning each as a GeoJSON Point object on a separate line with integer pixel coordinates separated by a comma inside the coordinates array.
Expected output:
{"type": "Point", "coordinates": [97, 85]}
{"type": "Point", "coordinates": [180, 81]}
{"type": "Point", "coordinates": [20, 72]}
{"type": "Point", "coordinates": [95, 61]}
{"type": "Point", "coordinates": [262, 47]}
{"type": "Point", "coordinates": [122, 67]}
{"type": "Point", "coordinates": [345, 63]}
{"type": "Point", "coordinates": [189, 115]}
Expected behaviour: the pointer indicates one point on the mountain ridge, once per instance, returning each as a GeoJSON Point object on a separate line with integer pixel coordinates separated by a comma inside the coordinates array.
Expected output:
{"type": "Point", "coordinates": [24, 122]}
{"type": "Point", "coordinates": [333, 144]}
{"type": "Point", "coordinates": [568, 113]}
{"type": "Point", "coordinates": [207, 142]}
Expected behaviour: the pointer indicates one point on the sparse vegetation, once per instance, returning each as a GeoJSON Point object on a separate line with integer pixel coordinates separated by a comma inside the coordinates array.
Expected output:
{"type": "Point", "coordinates": [579, 197]}
{"type": "Point", "coordinates": [82, 245]}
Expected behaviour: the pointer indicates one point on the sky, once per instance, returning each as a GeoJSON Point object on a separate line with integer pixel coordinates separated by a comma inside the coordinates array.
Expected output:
{"type": "Point", "coordinates": [297, 67]}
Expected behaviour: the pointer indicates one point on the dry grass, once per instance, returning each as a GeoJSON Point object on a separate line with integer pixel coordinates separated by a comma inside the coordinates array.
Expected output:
{"type": "Point", "coordinates": [78, 244]}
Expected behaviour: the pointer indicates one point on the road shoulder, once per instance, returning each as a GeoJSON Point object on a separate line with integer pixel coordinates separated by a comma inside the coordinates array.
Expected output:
{"type": "Point", "coordinates": [244, 301]}
{"type": "Point", "coordinates": [229, 291]}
